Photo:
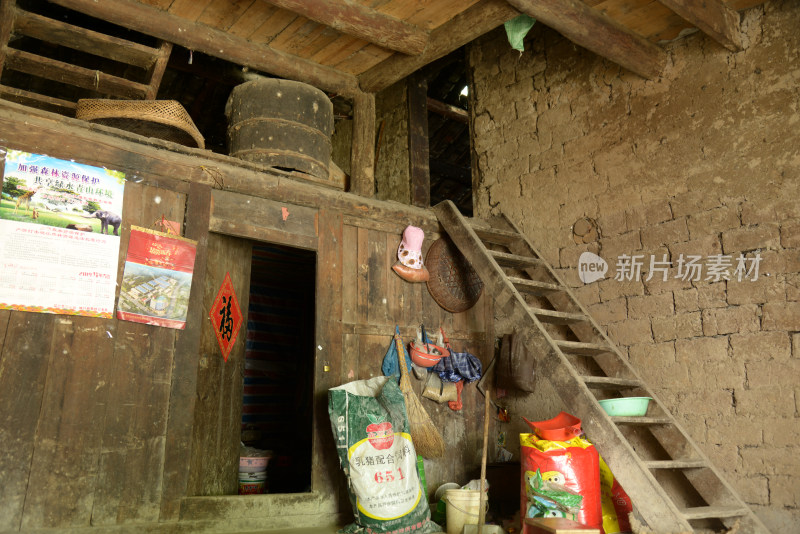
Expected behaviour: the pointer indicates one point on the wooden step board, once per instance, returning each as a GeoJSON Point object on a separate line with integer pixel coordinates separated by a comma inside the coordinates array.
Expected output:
{"type": "Point", "coordinates": [648, 477]}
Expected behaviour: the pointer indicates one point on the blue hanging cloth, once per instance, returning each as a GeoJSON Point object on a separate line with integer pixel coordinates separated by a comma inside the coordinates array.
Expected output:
{"type": "Point", "coordinates": [466, 365]}
{"type": "Point", "coordinates": [446, 371]}
{"type": "Point", "coordinates": [458, 366]}
{"type": "Point", "coordinates": [390, 362]}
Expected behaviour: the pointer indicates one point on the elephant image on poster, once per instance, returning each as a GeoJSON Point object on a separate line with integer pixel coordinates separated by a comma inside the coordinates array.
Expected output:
{"type": "Point", "coordinates": [107, 219]}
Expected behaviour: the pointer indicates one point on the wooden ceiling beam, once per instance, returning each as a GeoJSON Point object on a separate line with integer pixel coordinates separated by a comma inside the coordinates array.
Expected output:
{"type": "Point", "coordinates": [712, 17]}
{"type": "Point", "coordinates": [446, 110]}
{"type": "Point", "coordinates": [361, 22]}
{"type": "Point", "coordinates": [596, 31]}
{"type": "Point", "coordinates": [460, 30]}
{"type": "Point", "coordinates": [201, 38]}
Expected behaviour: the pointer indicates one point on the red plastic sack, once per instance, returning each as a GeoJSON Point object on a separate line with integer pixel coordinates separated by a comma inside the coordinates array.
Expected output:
{"type": "Point", "coordinates": [573, 464]}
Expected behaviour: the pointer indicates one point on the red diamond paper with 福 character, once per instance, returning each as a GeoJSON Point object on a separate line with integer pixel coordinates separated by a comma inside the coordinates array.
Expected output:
{"type": "Point", "coordinates": [226, 316]}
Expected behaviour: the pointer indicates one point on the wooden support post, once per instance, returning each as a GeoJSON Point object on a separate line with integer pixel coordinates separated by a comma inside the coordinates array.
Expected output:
{"type": "Point", "coordinates": [177, 453]}
{"type": "Point", "coordinates": [487, 401]}
{"type": "Point", "coordinates": [362, 152]}
{"type": "Point", "coordinates": [418, 152]}
{"type": "Point", "coordinates": [328, 363]}
{"type": "Point", "coordinates": [157, 70]}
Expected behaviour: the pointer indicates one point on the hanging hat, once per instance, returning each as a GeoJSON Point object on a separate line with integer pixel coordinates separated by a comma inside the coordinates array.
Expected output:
{"type": "Point", "coordinates": [410, 250]}
{"type": "Point", "coordinates": [410, 266]}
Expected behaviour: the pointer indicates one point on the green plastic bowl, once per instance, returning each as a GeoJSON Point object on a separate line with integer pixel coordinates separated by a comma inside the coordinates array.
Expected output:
{"type": "Point", "coordinates": [626, 406]}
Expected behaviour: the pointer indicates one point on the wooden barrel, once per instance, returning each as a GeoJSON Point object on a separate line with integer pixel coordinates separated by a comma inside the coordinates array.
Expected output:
{"type": "Point", "coordinates": [281, 123]}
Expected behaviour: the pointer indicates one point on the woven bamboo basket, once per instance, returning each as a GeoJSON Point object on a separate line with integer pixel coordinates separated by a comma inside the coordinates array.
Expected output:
{"type": "Point", "coordinates": [162, 119]}
{"type": "Point", "coordinates": [453, 283]}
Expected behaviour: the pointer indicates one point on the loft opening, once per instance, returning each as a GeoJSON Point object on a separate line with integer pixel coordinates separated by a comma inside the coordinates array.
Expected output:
{"type": "Point", "coordinates": [439, 133]}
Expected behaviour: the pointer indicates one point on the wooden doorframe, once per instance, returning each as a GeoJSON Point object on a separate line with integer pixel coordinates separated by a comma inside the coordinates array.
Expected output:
{"type": "Point", "coordinates": [320, 230]}
{"type": "Point", "coordinates": [261, 219]}
{"type": "Point", "coordinates": [182, 392]}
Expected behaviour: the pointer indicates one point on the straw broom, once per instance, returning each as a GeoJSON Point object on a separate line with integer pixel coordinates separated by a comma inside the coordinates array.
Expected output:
{"type": "Point", "coordinates": [426, 438]}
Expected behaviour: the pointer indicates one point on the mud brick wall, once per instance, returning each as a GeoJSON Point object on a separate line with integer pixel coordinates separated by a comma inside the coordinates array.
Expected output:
{"type": "Point", "coordinates": [704, 160]}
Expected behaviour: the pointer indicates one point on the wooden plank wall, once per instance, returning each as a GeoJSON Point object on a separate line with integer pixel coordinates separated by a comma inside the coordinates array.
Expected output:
{"type": "Point", "coordinates": [359, 302]}
{"type": "Point", "coordinates": [374, 300]}
{"type": "Point", "coordinates": [183, 390]}
{"type": "Point", "coordinates": [97, 417]}
{"type": "Point", "coordinates": [83, 406]}
{"type": "Point", "coordinates": [134, 430]}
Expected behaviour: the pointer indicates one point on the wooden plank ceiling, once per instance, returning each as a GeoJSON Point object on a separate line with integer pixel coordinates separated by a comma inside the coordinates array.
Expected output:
{"type": "Point", "coordinates": [349, 46]}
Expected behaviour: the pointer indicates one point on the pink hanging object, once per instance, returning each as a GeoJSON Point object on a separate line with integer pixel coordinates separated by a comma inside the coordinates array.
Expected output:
{"type": "Point", "coordinates": [409, 265]}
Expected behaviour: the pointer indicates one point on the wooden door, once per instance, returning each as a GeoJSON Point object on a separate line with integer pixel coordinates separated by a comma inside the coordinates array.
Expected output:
{"type": "Point", "coordinates": [216, 433]}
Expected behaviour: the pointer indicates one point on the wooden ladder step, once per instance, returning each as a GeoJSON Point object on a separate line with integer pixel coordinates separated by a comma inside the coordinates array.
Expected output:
{"type": "Point", "coordinates": [84, 40]}
{"type": "Point", "coordinates": [713, 512]}
{"type": "Point", "coordinates": [642, 420]}
{"type": "Point", "coordinates": [58, 71]}
{"type": "Point", "coordinates": [645, 481]}
{"type": "Point", "coordinates": [607, 382]}
{"type": "Point", "coordinates": [534, 287]}
{"type": "Point", "coordinates": [558, 317]}
{"type": "Point", "coordinates": [581, 348]}
{"type": "Point", "coordinates": [497, 236]}
{"type": "Point", "coordinates": [49, 103]}
{"type": "Point", "coordinates": [514, 260]}
{"type": "Point", "coordinates": [676, 464]}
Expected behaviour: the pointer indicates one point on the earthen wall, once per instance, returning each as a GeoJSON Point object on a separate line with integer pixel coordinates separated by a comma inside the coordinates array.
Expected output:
{"type": "Point", "coordinates": [701, 161]}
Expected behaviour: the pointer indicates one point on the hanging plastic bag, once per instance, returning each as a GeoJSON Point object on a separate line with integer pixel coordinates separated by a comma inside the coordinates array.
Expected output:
{"type": "Point", "coordinates": [389, 365]}
{"type": "Point", "coordinates": [516, 30]}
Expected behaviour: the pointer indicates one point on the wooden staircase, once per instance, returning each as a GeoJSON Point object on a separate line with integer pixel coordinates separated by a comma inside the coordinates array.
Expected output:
{"type": "Point", "coordinates": [672, 484]}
